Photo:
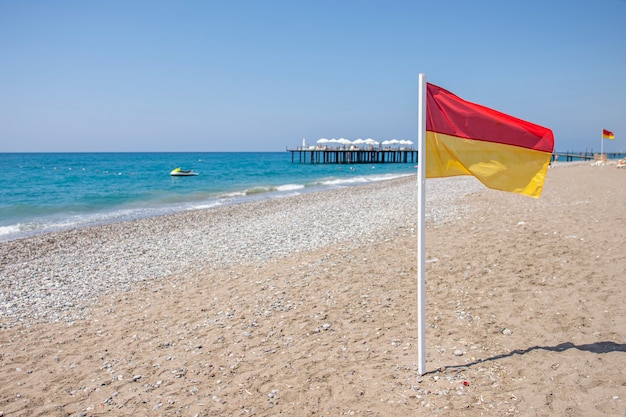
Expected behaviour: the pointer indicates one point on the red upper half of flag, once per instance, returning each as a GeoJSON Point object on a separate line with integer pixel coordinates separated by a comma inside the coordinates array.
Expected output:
{"type": "Point", "coordinates": [451, 115]}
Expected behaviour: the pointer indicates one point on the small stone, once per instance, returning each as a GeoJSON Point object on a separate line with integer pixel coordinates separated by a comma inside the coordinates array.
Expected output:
{"type": "Point", "coordinates": [458, 352]}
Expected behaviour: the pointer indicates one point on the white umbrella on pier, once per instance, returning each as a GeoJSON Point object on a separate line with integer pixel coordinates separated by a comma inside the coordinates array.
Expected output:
{"type": "Point", "coordinates": [391, 142]}
{"type": "Point", "coordinates": [344, 141]}
{"type": "Point", "coordinates": [371, 141]}
{"type": "Point", "coordinates": [323, 140]}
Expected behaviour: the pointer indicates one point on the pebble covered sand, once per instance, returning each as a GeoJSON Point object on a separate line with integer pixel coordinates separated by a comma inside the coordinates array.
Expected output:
{"type": "Point", "coordinates": [306, 306]}
{"type": "Point", "coordinates": [54, 277]}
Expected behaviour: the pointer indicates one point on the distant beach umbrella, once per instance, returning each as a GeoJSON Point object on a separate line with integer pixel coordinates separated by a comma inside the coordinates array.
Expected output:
{"type": "Point", "coordinates": [344, 141]}
{"type": "Point", "coordinates": [371, 141]}
{"type": "Point", "coordinates": [323, 140]}
{"type": "Point", "coordinates": [359, 142]}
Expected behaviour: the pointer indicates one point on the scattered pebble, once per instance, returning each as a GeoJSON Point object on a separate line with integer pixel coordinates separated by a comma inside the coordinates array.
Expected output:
{"type": "Point", "coordinates": [54, 277]}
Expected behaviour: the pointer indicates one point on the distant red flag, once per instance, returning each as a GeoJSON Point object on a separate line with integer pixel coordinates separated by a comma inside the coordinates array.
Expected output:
{"type": "Point", "coordinates": [607, 134]}
{"type": "Point", "coordinates": [501, 151]}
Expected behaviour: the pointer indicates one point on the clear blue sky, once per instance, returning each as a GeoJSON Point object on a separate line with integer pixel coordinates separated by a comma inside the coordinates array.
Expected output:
{"type": "Point", "coordinates": [262, 75]}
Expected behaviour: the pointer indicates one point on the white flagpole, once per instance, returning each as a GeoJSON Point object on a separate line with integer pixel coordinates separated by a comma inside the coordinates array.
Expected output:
{"type": "Point", "coordinates": [421, 229]}
{"type": "Point", "coordinates": [601, 144]}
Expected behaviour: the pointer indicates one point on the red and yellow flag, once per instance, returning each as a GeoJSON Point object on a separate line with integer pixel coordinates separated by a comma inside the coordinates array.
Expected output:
{"type": "Point", "coordinates": [607, 134]}
{"type": "Point", "coordinates": [501, 151]}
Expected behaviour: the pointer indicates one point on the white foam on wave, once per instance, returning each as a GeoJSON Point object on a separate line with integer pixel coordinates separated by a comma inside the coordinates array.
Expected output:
{"type": "Point", "coordinates": [362, 179]}
{"type": "Point", "coordinates": [289, 187]}
{"type": "Point", "coordinates": [233, 194]}
{"type": "Point", "coordinates": [11, 229]}
{"type": "Point", "coordinates": [19, 230]}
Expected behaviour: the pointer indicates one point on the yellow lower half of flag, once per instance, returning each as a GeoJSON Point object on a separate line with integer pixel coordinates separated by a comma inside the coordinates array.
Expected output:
{"type": "Point", "coordinates": [501, 167]}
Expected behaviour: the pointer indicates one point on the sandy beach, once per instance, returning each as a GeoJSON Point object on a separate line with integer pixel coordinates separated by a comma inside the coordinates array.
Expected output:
{"type": "Point", "coordinates": [306, 306]}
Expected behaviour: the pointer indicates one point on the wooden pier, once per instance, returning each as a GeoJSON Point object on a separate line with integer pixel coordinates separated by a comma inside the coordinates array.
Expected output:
{"type": "Point", "coordinates": [569, 156]}
{"type": "Point", "coordinates": [406, 156]}
{"type": "Point", "coordinates": [353, 156]}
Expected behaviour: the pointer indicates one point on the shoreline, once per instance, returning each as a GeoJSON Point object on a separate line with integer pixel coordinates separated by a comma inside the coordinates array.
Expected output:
{"type": "Point", "coordinates": [56, 223]}
{"type": "Point", "coordinates": [79, 191]}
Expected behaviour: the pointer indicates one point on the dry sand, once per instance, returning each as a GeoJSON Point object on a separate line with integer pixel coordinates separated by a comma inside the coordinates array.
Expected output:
{"type": "Point", "coordinates": [525, 317]}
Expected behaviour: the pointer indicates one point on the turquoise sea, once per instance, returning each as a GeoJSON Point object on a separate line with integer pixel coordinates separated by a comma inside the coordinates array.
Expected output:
{"type": "Point", "coordinates": [44, 192]}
